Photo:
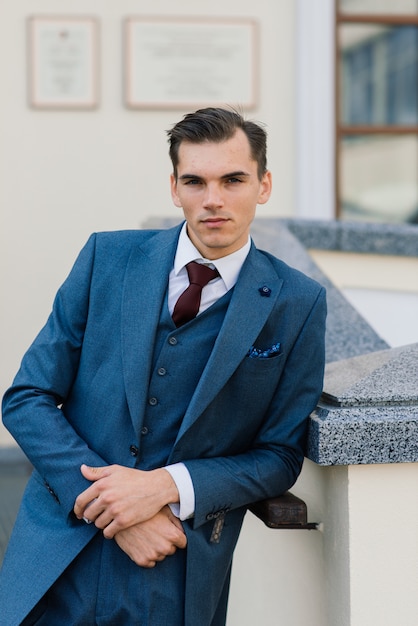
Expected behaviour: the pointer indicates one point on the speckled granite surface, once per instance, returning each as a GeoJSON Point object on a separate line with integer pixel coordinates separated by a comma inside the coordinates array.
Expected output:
{"type": "Point", "coordinates": [366, 435]}
{"type": "Point", "coordinates": [394, 239]}
{"type": "Point", "coordinates": [368, 411]}
{"type": "Point", "coordinates": [385, 378]}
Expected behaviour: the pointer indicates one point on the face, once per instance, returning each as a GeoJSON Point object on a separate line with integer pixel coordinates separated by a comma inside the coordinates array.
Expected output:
{"type": "Point", "coordinates": [218, 189]}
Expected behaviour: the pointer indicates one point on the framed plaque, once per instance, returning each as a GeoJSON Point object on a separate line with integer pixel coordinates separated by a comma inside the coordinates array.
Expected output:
{"type": "Point", "coordinates": [182, 63]}
{"type": "Point", "coordinates": [63, 62]}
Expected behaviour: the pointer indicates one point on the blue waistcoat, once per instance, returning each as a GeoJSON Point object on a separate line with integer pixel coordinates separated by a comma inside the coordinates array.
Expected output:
{"type": "Point", "coordinates": [179, 359]}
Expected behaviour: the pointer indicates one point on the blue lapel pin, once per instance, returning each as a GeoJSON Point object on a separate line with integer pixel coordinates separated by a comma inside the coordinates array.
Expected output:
{"type": "Point", "coordinates": [265, 291]}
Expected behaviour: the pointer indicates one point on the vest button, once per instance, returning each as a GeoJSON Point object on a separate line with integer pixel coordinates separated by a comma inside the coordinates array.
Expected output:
{"type": "Point", "coordinates": [133, 450]}
{"type": "Point", "coordinates": [172, 341]}
{"type": "Point", "coordinates": [153, 401]}
{"type": "Point", "coordinates": [162, 371]}
{"type": "Point", "coordinates": [144, 430]}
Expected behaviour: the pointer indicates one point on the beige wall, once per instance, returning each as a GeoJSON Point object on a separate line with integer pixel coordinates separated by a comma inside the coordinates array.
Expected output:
{"type": "Point", "coordinates": [383, 288]}
{"type": "Point", "coordinates": [66, 174]}
{"type": "Point", "coordinates": [369, 271]}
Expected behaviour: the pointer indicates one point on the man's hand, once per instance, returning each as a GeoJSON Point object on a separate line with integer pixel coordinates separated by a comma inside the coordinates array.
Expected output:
{"type": "Point", "coordinates": [121, 497]}
{"type": "Point", "coordinates": [153, 540]}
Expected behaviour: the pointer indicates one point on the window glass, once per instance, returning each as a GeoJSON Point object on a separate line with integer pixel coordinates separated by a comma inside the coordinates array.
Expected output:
{"type": "Point", "coordinates": [385, 7]}
{"type": "Point", "coordinates": [379, 178]}
{"type": "Point", "coordinates": [379, 74]}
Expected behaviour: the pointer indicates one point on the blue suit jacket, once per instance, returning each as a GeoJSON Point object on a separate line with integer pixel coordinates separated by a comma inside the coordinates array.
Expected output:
{"type": "Point", "coordinates": [80, 394]}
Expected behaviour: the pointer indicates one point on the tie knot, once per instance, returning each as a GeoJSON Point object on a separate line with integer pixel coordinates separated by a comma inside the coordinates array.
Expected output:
{"type": "Point", "coordinates": [200, 274]}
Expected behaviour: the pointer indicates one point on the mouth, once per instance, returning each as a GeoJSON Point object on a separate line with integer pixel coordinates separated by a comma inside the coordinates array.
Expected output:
{"type": "Point", "coordinates": [214, 222]}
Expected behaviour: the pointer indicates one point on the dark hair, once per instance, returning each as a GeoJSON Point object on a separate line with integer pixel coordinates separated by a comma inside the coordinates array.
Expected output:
{"type": "Point", "coordinates": [217, 124]}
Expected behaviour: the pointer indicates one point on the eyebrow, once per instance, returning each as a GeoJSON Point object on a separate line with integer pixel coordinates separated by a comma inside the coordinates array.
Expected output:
{"type": "Point", "coordinates": [224, 176]}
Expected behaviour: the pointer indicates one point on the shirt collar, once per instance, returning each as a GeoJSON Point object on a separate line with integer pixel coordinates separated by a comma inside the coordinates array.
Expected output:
{"type": "Point", "coordinates": [228, 266]}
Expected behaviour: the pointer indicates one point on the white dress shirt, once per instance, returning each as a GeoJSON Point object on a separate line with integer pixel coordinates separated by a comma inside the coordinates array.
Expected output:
{"type": "Point", "coordinates": [229, 268]}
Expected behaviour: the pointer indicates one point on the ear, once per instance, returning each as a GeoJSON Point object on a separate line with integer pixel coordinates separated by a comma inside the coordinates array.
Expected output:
{"type": "Point", "coordinates": [265, 188]}
{"type": "Point", "coordinates": [174, 195]}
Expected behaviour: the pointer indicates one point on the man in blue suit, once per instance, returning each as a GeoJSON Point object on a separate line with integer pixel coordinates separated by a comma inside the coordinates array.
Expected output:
{"type": "Point", "coordinates": [150, 432]}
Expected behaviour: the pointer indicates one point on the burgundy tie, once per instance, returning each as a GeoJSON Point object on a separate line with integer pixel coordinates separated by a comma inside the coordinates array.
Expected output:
{"type": "Point", "coordinates": [187, 306]}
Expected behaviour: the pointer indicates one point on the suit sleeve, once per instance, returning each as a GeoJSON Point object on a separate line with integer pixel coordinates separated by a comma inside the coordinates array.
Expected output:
{"type": "Point", "coordinates": [32, 406]}
{"type": "Point", "coordinates": [273, 462]}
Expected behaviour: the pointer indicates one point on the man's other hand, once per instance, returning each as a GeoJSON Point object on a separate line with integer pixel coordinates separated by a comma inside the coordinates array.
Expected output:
{"type": "Point", "coordinates": [152, 541]}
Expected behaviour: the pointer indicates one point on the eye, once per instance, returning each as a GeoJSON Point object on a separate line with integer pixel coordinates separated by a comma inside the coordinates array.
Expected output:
{"type": "Point", "coordinates": [192, 181]}
{"type": "Point", "coordinates": [233, 179]}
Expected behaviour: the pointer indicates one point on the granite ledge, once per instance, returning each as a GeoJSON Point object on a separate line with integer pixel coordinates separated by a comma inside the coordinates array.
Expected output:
{"type": "Point", "coordinates": [363, 435]}
{"type": "Point", "coordinates": [362, 237]}
{"type": "Point", "coordinates": [368, 412]}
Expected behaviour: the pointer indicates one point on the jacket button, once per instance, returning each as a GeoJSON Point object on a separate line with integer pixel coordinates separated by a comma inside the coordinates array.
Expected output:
{"type": "Point", "coordinates": [172, 341]}
{"type": "Point", "coordinates": [162, 371]}
{"type": "Point", "coordinates": [133, 450]}
{"type": "Point", "coordinates": [144, 430]}
{"type": "Point", "coordinates": [153, 401]}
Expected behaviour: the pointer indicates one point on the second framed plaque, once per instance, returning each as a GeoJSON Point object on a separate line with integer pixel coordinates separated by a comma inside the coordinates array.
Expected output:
{"type": "Point", "coordinates": [177, 62]}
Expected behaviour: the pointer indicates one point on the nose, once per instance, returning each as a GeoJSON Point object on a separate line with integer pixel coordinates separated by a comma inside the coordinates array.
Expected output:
{"type": "Point", "coordinates": [213, 197]}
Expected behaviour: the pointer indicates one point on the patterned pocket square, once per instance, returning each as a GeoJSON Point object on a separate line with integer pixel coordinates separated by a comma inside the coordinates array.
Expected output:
{"type": "Point", "coordinates": [259, 353]}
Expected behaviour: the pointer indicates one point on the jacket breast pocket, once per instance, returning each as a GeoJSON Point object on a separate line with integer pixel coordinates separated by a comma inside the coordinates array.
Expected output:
{"type": "Point", "coordinates": [251, 389]}
{"type": "Point", "coordinates": [263, 366]}
{"type": "Point", "coordinates": [259, 377]}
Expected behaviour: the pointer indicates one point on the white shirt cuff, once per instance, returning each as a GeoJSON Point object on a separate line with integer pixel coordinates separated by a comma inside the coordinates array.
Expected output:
{"type": "Point", "coordinates": [181, 476]}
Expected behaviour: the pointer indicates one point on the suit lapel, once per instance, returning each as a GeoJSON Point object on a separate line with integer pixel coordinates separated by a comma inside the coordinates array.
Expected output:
{"type": "Point", "coordinates": [247, 313]}
{"type": "Point", "coordinates": [145, 285]}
